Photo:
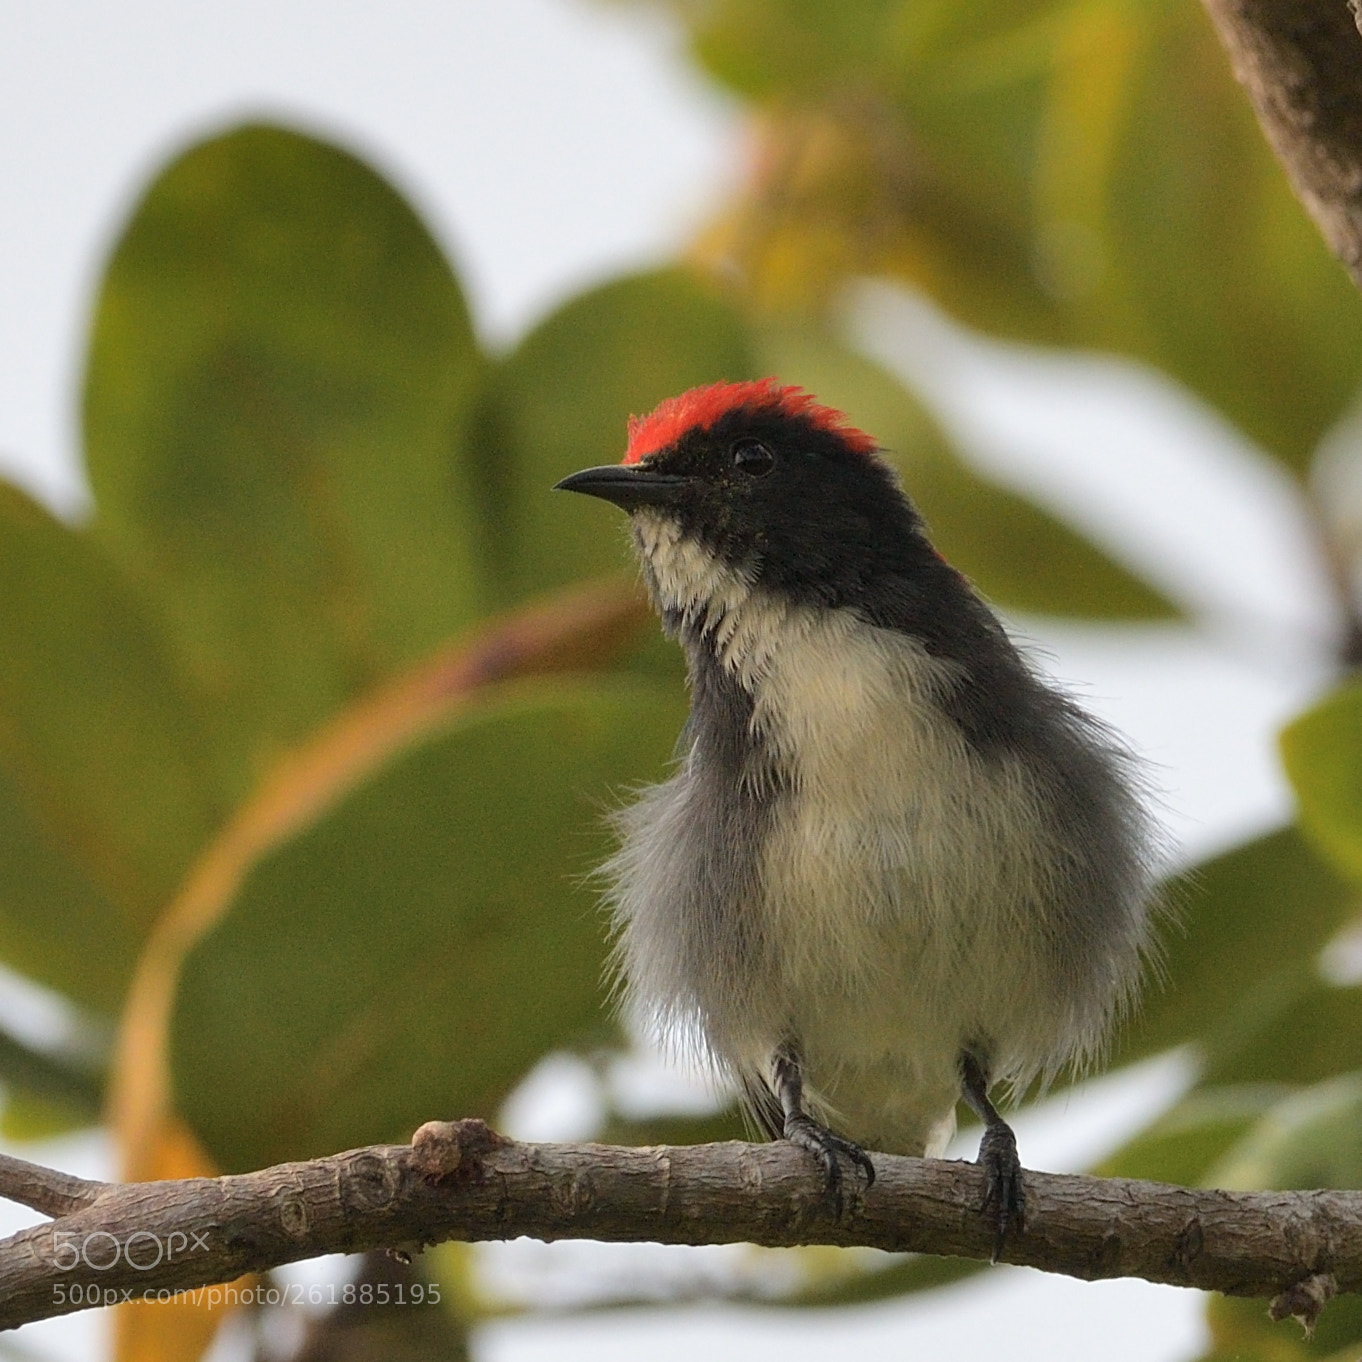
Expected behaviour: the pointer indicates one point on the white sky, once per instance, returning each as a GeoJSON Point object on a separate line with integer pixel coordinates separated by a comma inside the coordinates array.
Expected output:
{"type": "Point", "coordinates": [548, 144]}
{"type": "Point", "coordinates": [551, 143]}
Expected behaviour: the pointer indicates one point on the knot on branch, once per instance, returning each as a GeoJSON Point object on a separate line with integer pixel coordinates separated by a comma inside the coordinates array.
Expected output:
{"type": "Point", "coordinates": [1305, 1300]}
{"type": "Point", "coordinates": [452, 1151]}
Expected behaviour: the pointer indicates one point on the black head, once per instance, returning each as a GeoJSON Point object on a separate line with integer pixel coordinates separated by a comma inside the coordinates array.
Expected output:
{"type": "Point", "coordinates": [770, 483]}
{"type": "Point", "coordinates": [779, 489]}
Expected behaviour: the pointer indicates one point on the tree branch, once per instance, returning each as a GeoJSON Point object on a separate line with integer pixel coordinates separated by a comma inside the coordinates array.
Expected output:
{"type": "Point", "coordinates": [45, 1189]}
{"type": "Point", "coordinates": [1301, 63]}
{"type": "Point", "coordinates": [461, 1181]}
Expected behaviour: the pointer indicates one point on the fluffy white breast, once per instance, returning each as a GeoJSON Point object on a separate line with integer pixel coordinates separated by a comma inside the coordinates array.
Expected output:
{"type": "Point", "coordinates": [904, 869]}
{"type": "Point", "coordinates": [904, 883]}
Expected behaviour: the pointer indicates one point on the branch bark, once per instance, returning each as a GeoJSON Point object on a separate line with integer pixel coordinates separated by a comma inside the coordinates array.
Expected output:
{"type": "Point", "coordinates": [113, 1242]}
{"type": "Point", "coordinates": [1301, 63]}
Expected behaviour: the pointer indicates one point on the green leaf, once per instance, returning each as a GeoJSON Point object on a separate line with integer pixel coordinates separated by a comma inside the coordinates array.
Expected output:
{"type": "Point", "coordinates": [1079, 174]}
{"type": "Point", "coordinates": [57, 926]}
{"type": "Point", "coordinates": [1016, 554]}
{"type": "Point", "coordinates": [279, 379]}
{"type": "Point", "coordinates": [711, 1128]}
{"type": "Point", "coordinates": [103, 793]}
{"type": "Point", "coordinates": [562, 401]}
{"type": "Point", "coordinates": [1322, 751]}
{"type": "Point", "coordinates": [1188, 1141]}
{"type": "Point", "coordinates": [902, 1275]}
{"type": "Point", "coordinates": [1224, 280]}
{"type": "Point", "coordinates": [27, 1115]}
{"type": "Point", "coordinates": [417, 950]}
{"type": "Point", "coordinates": [1291, 1029]}
{"type": "Point", "coordinates": [1243, 934]}
{"type": "Point", "coordinates": [1311, 1138]}
{"type": "Point", "coordinates": [768, 47]}
{"type": "Point", "coordinates": [73, 1085]}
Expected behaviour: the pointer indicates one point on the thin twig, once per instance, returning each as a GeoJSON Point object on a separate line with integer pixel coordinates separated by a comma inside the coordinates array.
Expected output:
{"type": "Point", "coordinates": [45, 1189]}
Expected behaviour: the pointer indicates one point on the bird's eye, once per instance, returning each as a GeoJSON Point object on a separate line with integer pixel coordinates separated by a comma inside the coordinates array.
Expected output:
{"type": "Point", "coordinates": [753, 458]}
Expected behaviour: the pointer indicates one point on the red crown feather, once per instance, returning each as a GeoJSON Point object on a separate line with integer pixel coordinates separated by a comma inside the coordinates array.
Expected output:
{"type": "Point", "coordinates": [700, 408]}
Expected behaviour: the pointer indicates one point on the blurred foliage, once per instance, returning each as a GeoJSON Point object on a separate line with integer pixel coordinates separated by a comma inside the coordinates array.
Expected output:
{"type": "Point", "coordinates": [1072, 172]}
{"type": "Point", "coordinates": [1241, 1331]}
{"type": "Point", "coordinates": [275, 338]}
{"type": "Point", "coordinates": [1311, 1138]}
{"type": "Point", "coordinates": [1186, 1142]}
{"type": "Point", "coordinates": [306, 735]}
{"type": "Point", "coordinates": [561, 400]}
{"type": "Point", "coordinates": [454, 944]}
{"type": "Point", "coordinates": [1323, 755]}
{"type": "Point", "coordinates": [1232, 959]}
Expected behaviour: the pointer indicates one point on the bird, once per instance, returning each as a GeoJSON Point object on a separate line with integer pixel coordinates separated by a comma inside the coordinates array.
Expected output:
{"type": "Point", "coordinates": [895, 866]}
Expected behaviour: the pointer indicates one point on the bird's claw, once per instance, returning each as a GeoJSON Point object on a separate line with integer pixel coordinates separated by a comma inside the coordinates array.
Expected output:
{"type": "Point", "coordinates": [805, 1132]}
{"type": "Point", "coordinates": [1004, 1192]}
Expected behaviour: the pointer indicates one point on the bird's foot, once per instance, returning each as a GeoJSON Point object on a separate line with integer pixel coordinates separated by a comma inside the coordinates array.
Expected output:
{"type": "Point", "coordinates": [805, 1132]}
{"type": "Point", "coordinates": [1004, 1193]}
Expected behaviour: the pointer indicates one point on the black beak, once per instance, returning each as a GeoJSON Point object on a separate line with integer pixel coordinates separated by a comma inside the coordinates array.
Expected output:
{"type": "Point", "coordinates": [629, 487]}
